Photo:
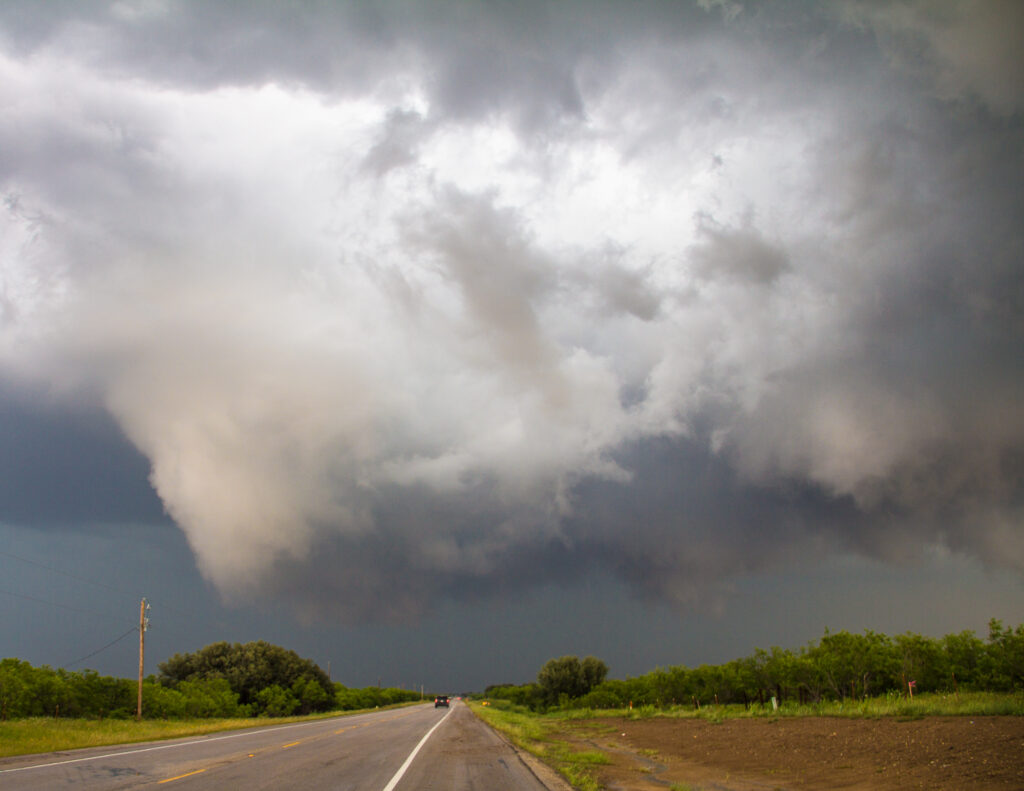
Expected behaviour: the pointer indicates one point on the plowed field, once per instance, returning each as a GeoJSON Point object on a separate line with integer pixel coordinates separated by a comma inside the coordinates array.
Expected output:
{"type": "Point", "coordinates": [805, 753]}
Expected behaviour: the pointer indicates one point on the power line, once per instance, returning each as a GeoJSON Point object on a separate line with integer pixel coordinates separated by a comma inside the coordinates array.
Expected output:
{"type": "Point", "coordinates": [169, 607]}
{"type": "Point", "coordinates": [56, 604]}
{"type": "Point", "coordinates": [79, 610]}
{"type": "Point", "coordinates": [65, 573]}
{"type": "Point", "coordinates": [100, 650]}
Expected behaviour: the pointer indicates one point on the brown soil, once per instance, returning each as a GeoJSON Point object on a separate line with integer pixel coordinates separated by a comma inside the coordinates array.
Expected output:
{"type": "Point", "coordinates": [805, 753]}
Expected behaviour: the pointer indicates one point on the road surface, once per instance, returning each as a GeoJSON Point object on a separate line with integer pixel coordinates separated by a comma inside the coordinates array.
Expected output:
{"type": "Point", "coordinates": [397, 750]}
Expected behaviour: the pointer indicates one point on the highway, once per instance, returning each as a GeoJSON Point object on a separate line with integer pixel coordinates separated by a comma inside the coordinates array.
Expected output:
{"type": "Point", "coordinates": [396, 750]}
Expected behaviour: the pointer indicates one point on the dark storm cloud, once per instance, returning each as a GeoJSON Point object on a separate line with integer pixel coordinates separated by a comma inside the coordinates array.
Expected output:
{"type": "Point", "coordinates": [65, 469]}
{"type": "Point", "coordinates": [405, 302]}
{"type": "Point", "coordinates": [679, 530]}
{"type": "Point", "coordinates": [692, 524]}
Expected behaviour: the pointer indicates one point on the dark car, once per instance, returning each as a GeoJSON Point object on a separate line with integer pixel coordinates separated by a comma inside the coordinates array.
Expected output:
{"type": "Point", "coordinates": [441, 700]}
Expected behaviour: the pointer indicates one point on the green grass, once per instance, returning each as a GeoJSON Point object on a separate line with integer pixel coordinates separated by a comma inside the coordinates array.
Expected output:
{"type": "Point", "coordinates": [579, 777]}
{"type": "Point", "coordinates": [45, 734]}
{"type": "Point", "coordinates": [589, 757]}
{"type": "Point", "coordinates": [924, 705]}
{"type": "Point", "coordinates": [533, 733]}
{"type": "Point", "coordinates": [525, 729]}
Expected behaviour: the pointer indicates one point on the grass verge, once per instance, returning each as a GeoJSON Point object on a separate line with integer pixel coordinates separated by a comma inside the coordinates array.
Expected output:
{"type": "Point", "coordinates": [46, 735]}
{"type": "Point", "coordinates": [534, 733]}
{"type": "Point", "coordinates": [974, 704]}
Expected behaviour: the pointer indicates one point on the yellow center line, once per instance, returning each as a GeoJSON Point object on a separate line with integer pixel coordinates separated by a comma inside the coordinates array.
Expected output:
{"type": "Point", "coordinates": [187, 774]}
{"type": "Point", "coordinates": [374, 722]}
{"type": "Point", "coordinates": [292, 744]}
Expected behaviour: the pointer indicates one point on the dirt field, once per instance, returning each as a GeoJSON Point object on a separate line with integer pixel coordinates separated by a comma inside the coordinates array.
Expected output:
{"type": "Point", "coordinates": [807, 753]}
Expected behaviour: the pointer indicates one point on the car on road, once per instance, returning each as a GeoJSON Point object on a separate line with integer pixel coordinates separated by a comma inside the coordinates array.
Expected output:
{"type": "Point", "coordinates": [441, 700]}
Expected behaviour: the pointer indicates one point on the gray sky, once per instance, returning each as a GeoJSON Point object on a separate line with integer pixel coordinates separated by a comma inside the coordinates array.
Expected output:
{"type": "Point", "coordinates": [437, 340]}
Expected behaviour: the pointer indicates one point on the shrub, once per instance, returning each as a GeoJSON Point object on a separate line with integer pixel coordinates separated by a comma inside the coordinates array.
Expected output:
{"type": "Point", "coordinates": [274, 701]}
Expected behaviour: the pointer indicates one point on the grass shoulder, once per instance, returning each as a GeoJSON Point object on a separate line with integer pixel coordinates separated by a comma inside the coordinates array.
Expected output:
{"type": "Point", "coordinates": [936, 704]}
{"type": "Point", "coordinates": [537, 734]}
{"type": "Point", "coordinates": [519, 720]}
{"type": "Point", "coordinates": [46, 734]}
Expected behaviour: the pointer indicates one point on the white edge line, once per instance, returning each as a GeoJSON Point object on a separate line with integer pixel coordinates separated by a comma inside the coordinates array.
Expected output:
{"type": "Point", "coordinates": [398, 775]}
{"type": "Point", "coordinates": [164, 746]}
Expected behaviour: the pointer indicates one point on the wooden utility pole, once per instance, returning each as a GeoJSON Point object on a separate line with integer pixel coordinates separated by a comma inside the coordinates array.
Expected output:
{"type": "Point", "coordinates": [143, 624]}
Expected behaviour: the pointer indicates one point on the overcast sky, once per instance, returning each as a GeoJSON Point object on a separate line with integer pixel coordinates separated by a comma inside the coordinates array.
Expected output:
{"type": "Point", "coordinates": [434, 340]}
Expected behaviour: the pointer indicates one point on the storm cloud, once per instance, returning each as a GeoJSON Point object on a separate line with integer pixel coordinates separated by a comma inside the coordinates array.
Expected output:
{"type": "Point", "coordinates": [404, 304]}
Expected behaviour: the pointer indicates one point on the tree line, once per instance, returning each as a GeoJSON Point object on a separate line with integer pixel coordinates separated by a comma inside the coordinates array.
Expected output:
{"type": "Point", "coordinates": [255, 679]}
{"type": "Point", "coordinates": [838, 667]}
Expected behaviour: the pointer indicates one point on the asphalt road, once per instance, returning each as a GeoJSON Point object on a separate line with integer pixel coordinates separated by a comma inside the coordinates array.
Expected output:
{"type": "Point", "coordinates": [396, 750]}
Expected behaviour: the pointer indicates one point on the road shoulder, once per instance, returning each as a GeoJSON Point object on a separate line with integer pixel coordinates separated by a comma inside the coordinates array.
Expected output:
{"type": "Point", "coordinates": [546, 775]}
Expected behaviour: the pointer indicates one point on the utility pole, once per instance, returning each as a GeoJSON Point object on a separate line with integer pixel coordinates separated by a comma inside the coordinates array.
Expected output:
{"type": "Point", "coordinates": [143, 626]}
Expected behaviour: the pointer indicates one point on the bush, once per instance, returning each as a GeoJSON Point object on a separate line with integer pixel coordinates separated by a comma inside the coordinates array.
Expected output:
{"type": "Point", "coordinates": [274, 701]}
{"type": "Point", "coordinates": [251, 668]}
{"type": "Point", "coordinates": [211, 697]}
{"type": "Point", "coordinates": [160, 702]}
{"type": "Point", "coordinates": [841, 666]}
{"type": "Point", "coordinates": [347, 699]}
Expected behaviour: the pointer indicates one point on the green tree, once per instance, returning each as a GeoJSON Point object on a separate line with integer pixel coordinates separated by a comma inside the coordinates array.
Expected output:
{"type": "Point", "coordinates": [855, 665]}
{"type": "Point", "coordinates": [210, 697]}
{"type": "Point", "coordinates": [528, 695]}
{"type": "Point", "coordinates": [250, 668]}
{"type": "Point", "coordinates": [1004, 657]}
{"type": "Point", "coordinates": [594, 672]}
{"type": "Point", "coordinates": [706, 682]}
{"type": "Point", "coordinates": [566, 678]}
{"type": "Point", "coordinates": [965, 654]}
{"type": "Point", "coordinates": [310, 695]}
{"type": "Point", "coordinates": [15, 688]}
{"type": "Point", "coordinates": [780, 673]}
{"type": "Point", "coordinates": [610, 694]}
{"type": "Point", "coordinates": [93, 695]}
{"type": "Point", "coordinates": [561, 678]}
{"type": "Point", "coordinates": [160, 702]}
{"type": "Point", "coordinates": [923, 661]}
{"type": "Point", "coordinates": [275, 701]}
